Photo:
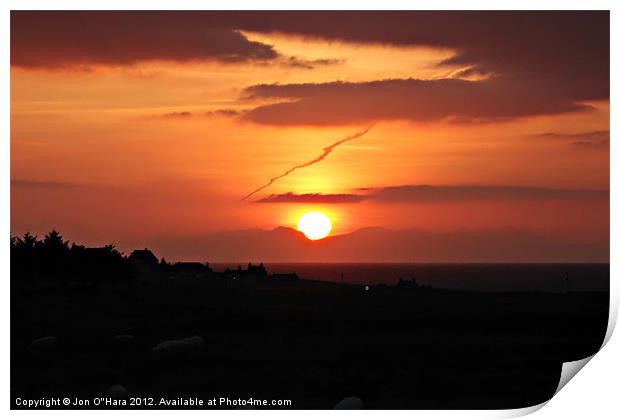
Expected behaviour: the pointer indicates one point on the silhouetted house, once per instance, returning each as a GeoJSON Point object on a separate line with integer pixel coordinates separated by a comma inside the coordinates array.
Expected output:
{"type": "Point", "coordinates": [251, 274]}
{"type": "Point", "coordinates": [284, 277]}
{"type": "Point", "coordinates": [190, 269]}
{"type": "Point", "coordinates": [143, 261]}
{"type": "Point", "coordinates": [255, 272]}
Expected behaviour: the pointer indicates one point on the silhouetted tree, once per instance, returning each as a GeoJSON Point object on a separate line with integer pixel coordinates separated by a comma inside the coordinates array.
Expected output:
{"type": "Point", "coordinates": [24, 261]}
{"type": "Point", "coordinates": [54, 243]}
{"type": "Point", "coordinates": [112, 251]}
{"type": "Point", "coordinates": [164, 265]}
{"type": "Point", "coordinates": [51, 262]}
{"type": "Point", "coordinates": [27, 243]}
{"type": "Point", "coordinates": [115, 266]}
{"type": "Point", "coordinates": [54, 256]}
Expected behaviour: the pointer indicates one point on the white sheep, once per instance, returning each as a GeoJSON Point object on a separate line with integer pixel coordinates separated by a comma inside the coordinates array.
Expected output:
{"type": "Point", "coordinates": [43, 347]}
{"type": "Point", "coordinates": [183, 346]}
{"type": "Point", "coordinates": [350, 403]}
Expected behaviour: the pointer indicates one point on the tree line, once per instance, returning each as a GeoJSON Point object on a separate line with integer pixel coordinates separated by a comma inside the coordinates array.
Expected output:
{"type": "Point", "coordinates": [52, 261]}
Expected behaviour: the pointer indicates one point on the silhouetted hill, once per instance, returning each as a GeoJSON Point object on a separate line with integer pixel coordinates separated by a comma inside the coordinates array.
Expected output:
{"type": "Point", "coordinates": [379, 245]}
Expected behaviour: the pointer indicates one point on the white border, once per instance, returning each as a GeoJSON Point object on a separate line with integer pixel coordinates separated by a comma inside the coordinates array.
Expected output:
{"type": "Point", "coordinates": [592, 395]}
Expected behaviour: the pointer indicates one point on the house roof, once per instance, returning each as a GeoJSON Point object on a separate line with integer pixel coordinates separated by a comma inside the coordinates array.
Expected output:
{"type": "Point", "coordinates": [143, 254]}
{"type": "Point", "coordinates": [190, 266]}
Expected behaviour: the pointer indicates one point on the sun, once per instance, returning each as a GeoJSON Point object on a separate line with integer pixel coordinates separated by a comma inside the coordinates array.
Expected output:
{"type": "Point", "coordinates": [314, 224]}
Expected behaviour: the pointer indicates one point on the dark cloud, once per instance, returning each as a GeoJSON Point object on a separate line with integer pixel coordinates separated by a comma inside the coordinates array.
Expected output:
{"type": "Point", "coordinates": [586, 139]}
{"type": "Point", "coordinates": [429, 193]}
{"type": "Point", "coordinates": [449, 193]}
{"type": "Point", "coordinates": [298, 62]}
{"type": "Point", "coordinates": [73, 38]}
{"type": "Point", "coordinates": [584, 135]}
{"type": "Point", "coordinates": [567, 50]}
{"type": "Point", "coordinates": [403, 99]}
{"type": "Point", "coordinates": [23, 183]}
{"type": "Point", "coordinates": [80, 38]}
{"type": "Point", "coordinates": [179, 114]}
{"type": "Point", "coordinates": [537, 63]}
{"type": "Point", "coordinates": [311, 198]}
{"type": "Point", "coordinates": [591, 144]}
{"type": "Point", "coordinates": [188, 114]}
{"type": "Point", "coordinates": [223, 113]}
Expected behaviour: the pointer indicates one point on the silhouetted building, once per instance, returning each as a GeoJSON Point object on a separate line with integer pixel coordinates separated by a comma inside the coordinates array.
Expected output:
{"type": "Point", "coordinates": [251, 274]}
{"type": "Point", "coordinates": [143, 261]}
{"type": "Point", "coordinates": [191, 268]}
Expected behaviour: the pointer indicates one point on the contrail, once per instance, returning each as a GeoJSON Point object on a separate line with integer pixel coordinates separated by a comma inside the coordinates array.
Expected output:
{"type": "Point", "coordinates": [326, 151]}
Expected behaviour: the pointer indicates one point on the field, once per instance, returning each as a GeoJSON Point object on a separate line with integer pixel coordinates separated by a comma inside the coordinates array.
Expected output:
{"type": "Point", "coordinates": [313, 343]}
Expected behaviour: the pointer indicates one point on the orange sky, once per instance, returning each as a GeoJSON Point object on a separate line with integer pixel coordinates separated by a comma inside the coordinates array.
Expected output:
{"type": "Point", "coordinates": [125, 150]}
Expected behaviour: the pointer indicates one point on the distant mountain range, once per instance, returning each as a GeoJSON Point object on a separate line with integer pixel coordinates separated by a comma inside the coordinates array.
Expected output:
{"type": "Point", "coordinates": [377, 245]}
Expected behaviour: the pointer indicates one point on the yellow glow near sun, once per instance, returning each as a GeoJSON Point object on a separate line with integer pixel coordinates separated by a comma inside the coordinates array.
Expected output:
{"type": "Point", "coordinates": [315, 225]}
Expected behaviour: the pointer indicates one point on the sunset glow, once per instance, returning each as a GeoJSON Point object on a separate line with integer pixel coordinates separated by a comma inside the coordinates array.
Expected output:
{"type": "Point", "coordinates": [172, 140]}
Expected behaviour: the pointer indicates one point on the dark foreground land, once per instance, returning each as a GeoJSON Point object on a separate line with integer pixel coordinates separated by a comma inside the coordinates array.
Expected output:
{"type": "Point", "coordinates": [313, 343]}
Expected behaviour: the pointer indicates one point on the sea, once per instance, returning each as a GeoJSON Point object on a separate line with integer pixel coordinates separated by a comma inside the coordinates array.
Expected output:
{"type": "Point", "coordinates": [557, 278]}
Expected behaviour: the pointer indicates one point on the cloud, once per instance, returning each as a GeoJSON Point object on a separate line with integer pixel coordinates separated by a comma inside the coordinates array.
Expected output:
{"type": "Point", "coordinates": [301, 63]}
{"type": "Point", "coordinates": [567, 50]}
{"type": "Point", "coordinates": [532, 63]}
{"type": "Point", "coordinates": [535, 63]}
{"type": "Point", "coordinates": [80, 39]}
{"type": "Point", "coordinates": [430, 193]}
{"type": "Point", "coordinates": [558, 50]}
{"type": "Point", "coordinates": [443, 193]}
{"type": "Point", "coordinates": [591, 144]}
{"type": "Point", "coordinates": [223, 113]}
{"type": "Point", "coordinates": [41, 39]}
{"type": "Point", "coordinates": [23, 183]}
{"type": "Point", "coordinates": [189, 114]}
{"type": "Point", "coordinates": [586, 139]}
{"type": "Point", "coordinates": [179, 114]}
{"type": "Point", "coordinates": [311, 198]}
{"type": "Point", "coordinates": [337, 103]}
